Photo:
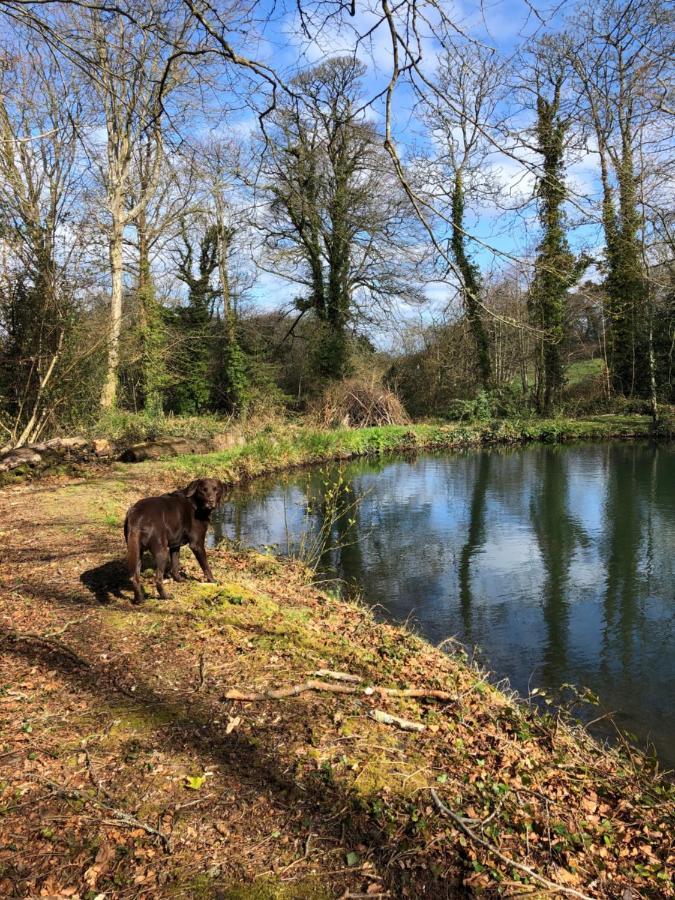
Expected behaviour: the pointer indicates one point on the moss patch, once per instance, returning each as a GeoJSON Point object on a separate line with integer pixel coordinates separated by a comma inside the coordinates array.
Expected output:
{"type": "Point", "coordinates": [306, 889]}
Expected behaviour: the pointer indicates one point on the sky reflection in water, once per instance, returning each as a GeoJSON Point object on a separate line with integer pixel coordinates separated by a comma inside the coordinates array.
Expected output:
{"type": "Point", "coordinates": [557, 562]}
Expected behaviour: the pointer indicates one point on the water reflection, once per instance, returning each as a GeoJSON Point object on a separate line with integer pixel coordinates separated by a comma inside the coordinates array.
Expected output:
{"type": "Point", "coordinates": [558, 534]}
{"type": "Point", "coordinates": [556, 561]}
{"type": "Point", "coordinates": [475, 537]}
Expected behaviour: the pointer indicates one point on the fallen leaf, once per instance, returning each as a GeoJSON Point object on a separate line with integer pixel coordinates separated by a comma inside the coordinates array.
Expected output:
{"type": "Point", "coordinates": [232, 723]}
{"type": "Point", "coordinates": [194, 782]}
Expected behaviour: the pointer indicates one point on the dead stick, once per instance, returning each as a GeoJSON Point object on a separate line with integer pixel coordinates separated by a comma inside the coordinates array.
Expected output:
{"type": "Point", "coordinates": [551, 885]}
{"type": "Point", "coordinates": [196, 802]}
{"type": "Point", "coordinates": [52, 634]}
{"type": "Point", "coordinates": [338, 676]}
{"type": "Point", "coordinates": [92, 776]}
{"type": "Point", "coordinates": [119, 814]}
{"type": "Point", "coordinates": [313, 685]}
{"type": "Point", "coordinates": [200, 684]}
{"type": "Point", "coordinates": [405, 724]}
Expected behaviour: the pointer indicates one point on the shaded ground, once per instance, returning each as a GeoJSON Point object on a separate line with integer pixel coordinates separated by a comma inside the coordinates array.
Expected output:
{"type": "Point", "coordinates": [125, 773]}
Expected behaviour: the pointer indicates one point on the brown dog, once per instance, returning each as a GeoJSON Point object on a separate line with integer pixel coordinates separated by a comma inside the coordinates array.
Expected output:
{"type": "Point", "coordinates": [164, 524]}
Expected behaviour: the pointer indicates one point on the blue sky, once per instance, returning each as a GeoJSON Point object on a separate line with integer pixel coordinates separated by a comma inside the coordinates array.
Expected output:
{"type": "Point", "coordinates": [504, 25]}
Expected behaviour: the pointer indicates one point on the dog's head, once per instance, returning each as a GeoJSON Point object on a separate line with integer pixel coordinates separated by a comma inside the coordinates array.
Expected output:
{"type": "Point", "coordinates": [206, 493]}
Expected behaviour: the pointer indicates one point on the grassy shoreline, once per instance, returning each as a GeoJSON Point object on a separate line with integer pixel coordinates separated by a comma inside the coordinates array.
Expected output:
{"type": "Point", "coordinates": [278, 445]}
{"type": "Point", "coordinates": [286, 447]}
{"type": "Point", "coordinates": [111, 711]}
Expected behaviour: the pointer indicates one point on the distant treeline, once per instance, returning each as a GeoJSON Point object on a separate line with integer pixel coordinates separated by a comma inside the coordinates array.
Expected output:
{"type": "Point", "coordinates": [159, 184]}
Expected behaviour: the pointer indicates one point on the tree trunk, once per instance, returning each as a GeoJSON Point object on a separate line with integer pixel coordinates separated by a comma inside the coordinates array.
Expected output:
{"type": "Point", "coordinates": [151, 326]}
{"type": "Point", "coordinates": [470, 285]}
{"type": "Point", "coordinates": [233, 370]}
{"type": "Point", "coordinates": [554, 267]}
{"type": "Point", "coordinates": [224, 275]}
{"type": "Point", "coordinates": [109, 396]}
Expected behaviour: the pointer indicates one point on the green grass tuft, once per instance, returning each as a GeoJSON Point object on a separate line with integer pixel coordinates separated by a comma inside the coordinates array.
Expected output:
{"type": "Point", "coordinates": [290, 446]}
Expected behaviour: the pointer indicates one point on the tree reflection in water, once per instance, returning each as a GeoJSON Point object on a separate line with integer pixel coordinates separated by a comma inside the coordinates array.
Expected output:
{"type": "Point", "coordinates": [556, 561]}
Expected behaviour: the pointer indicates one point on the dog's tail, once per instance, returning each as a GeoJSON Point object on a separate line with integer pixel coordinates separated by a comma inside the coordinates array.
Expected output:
{"type": "Point", "coordinates": [132, 535]}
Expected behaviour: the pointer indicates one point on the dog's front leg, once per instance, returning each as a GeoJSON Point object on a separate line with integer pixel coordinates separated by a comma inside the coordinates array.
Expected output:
{"type": "Point", "coordinates": [200, 554]}
{"type": "Point", "coordinates": [161, 560]}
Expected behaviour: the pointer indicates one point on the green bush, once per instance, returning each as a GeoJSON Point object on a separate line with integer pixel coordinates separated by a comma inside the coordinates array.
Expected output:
{"type": "Point", "coordinates": [478, 409]}
{"type": "Point", "coordinates": [502, 403]}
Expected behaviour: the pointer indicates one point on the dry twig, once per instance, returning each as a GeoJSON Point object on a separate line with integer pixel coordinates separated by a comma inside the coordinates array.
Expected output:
{"type": "Point", "coordinates": [120, 815]}
{"type": "Point", "coordinates": [200, 683]}
{"type": "Point", "coordinates": [338, 676]}
{"type": "Point", "coordinates": [486, 845]}
{"type": "Point", "coordinates": [404, 724]}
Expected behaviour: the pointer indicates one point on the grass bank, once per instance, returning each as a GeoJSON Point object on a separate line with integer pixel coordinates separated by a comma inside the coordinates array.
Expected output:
{"type": "Point", "coordinates": [172, 750]}
{"type": "Point", "coordinates": [256, 448]}
{"type": "Point", "coordinates": [283, 447]}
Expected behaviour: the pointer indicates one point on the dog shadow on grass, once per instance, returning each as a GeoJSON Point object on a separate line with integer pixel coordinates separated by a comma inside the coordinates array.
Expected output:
{"type": "Point", "coordinates": [108, 581]}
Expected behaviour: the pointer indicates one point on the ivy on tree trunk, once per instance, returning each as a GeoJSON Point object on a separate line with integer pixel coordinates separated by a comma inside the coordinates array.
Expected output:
{"type": "Point", "coordinates": [555, 268]}
{"type": "Point", "coordinates": [151, 329]}
{"type": "Point", "coordinates": [471, 284]}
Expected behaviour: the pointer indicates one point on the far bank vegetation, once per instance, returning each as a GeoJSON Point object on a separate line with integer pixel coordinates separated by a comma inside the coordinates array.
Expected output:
{"type": "Point", "coordinates": [185, 232]}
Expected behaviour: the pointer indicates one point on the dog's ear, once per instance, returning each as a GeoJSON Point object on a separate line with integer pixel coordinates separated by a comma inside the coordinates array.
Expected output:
{"type": "Point", "coordinates": [192, 488]}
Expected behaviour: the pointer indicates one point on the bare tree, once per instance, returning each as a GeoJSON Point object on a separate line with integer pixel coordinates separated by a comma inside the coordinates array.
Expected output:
{"type": "Point", "coordinates": [132, 71]}
{"type": "Point", "coordinates": [339, 222]}
{"type": "Point", "coordinates": [460, 170]}
{"type": "Point", "coordinates": [40, 187]}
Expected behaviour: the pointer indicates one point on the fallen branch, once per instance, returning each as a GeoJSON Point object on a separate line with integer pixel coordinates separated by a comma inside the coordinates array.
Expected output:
{"type": "Point", "coordinates": [463, 827]}
{"type": "Point", "coordinates": [338, 676]}
{"type": "Point", "coordinates": [52, 634]}
{"type": "Point", "coordinates": [200, 683]}
{"type": "Point", "coordinates": [46, 641]}
{"type": "Point", "coordinates": [349, 896]}
{"type": "Point", "coordinates": [119, 814]}
{"type": "Point", "coordinates": [314, 685]}
{"type": "Point", "coordinates": [294, 691]}
{"type": "Point", "coordinates": [404, 724]}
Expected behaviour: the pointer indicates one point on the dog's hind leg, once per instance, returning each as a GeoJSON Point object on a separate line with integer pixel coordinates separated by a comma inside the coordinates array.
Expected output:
{"type": "Point", "coordinates": [134, 557]}
{"type": "Point", "coordinates": [175, 565]}
{"type": "Point", "coordinates": [161, 554]}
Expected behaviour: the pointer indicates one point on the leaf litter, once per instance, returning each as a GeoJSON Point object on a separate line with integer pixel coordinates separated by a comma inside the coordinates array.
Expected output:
{"type": "Point", "coordinates": [124, 773]}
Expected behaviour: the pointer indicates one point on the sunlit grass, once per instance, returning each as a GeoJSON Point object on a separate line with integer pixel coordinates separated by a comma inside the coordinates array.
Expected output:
{"type": "Point", "coordinates": [285, 447]}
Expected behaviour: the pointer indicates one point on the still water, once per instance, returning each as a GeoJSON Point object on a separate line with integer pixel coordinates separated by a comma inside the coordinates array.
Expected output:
{"type": "Point", "coordinates": [557, 563]}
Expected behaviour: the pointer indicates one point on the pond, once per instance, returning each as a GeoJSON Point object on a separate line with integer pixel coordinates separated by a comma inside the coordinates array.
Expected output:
{"type": "Point", "coordinates": [556, 562]}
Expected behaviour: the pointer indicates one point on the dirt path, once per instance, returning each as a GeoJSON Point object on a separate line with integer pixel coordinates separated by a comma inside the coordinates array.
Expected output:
{"type": "Point", "coordinates": [125, 773]}
{"type": "Point", "coordinates": [128, 719]}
